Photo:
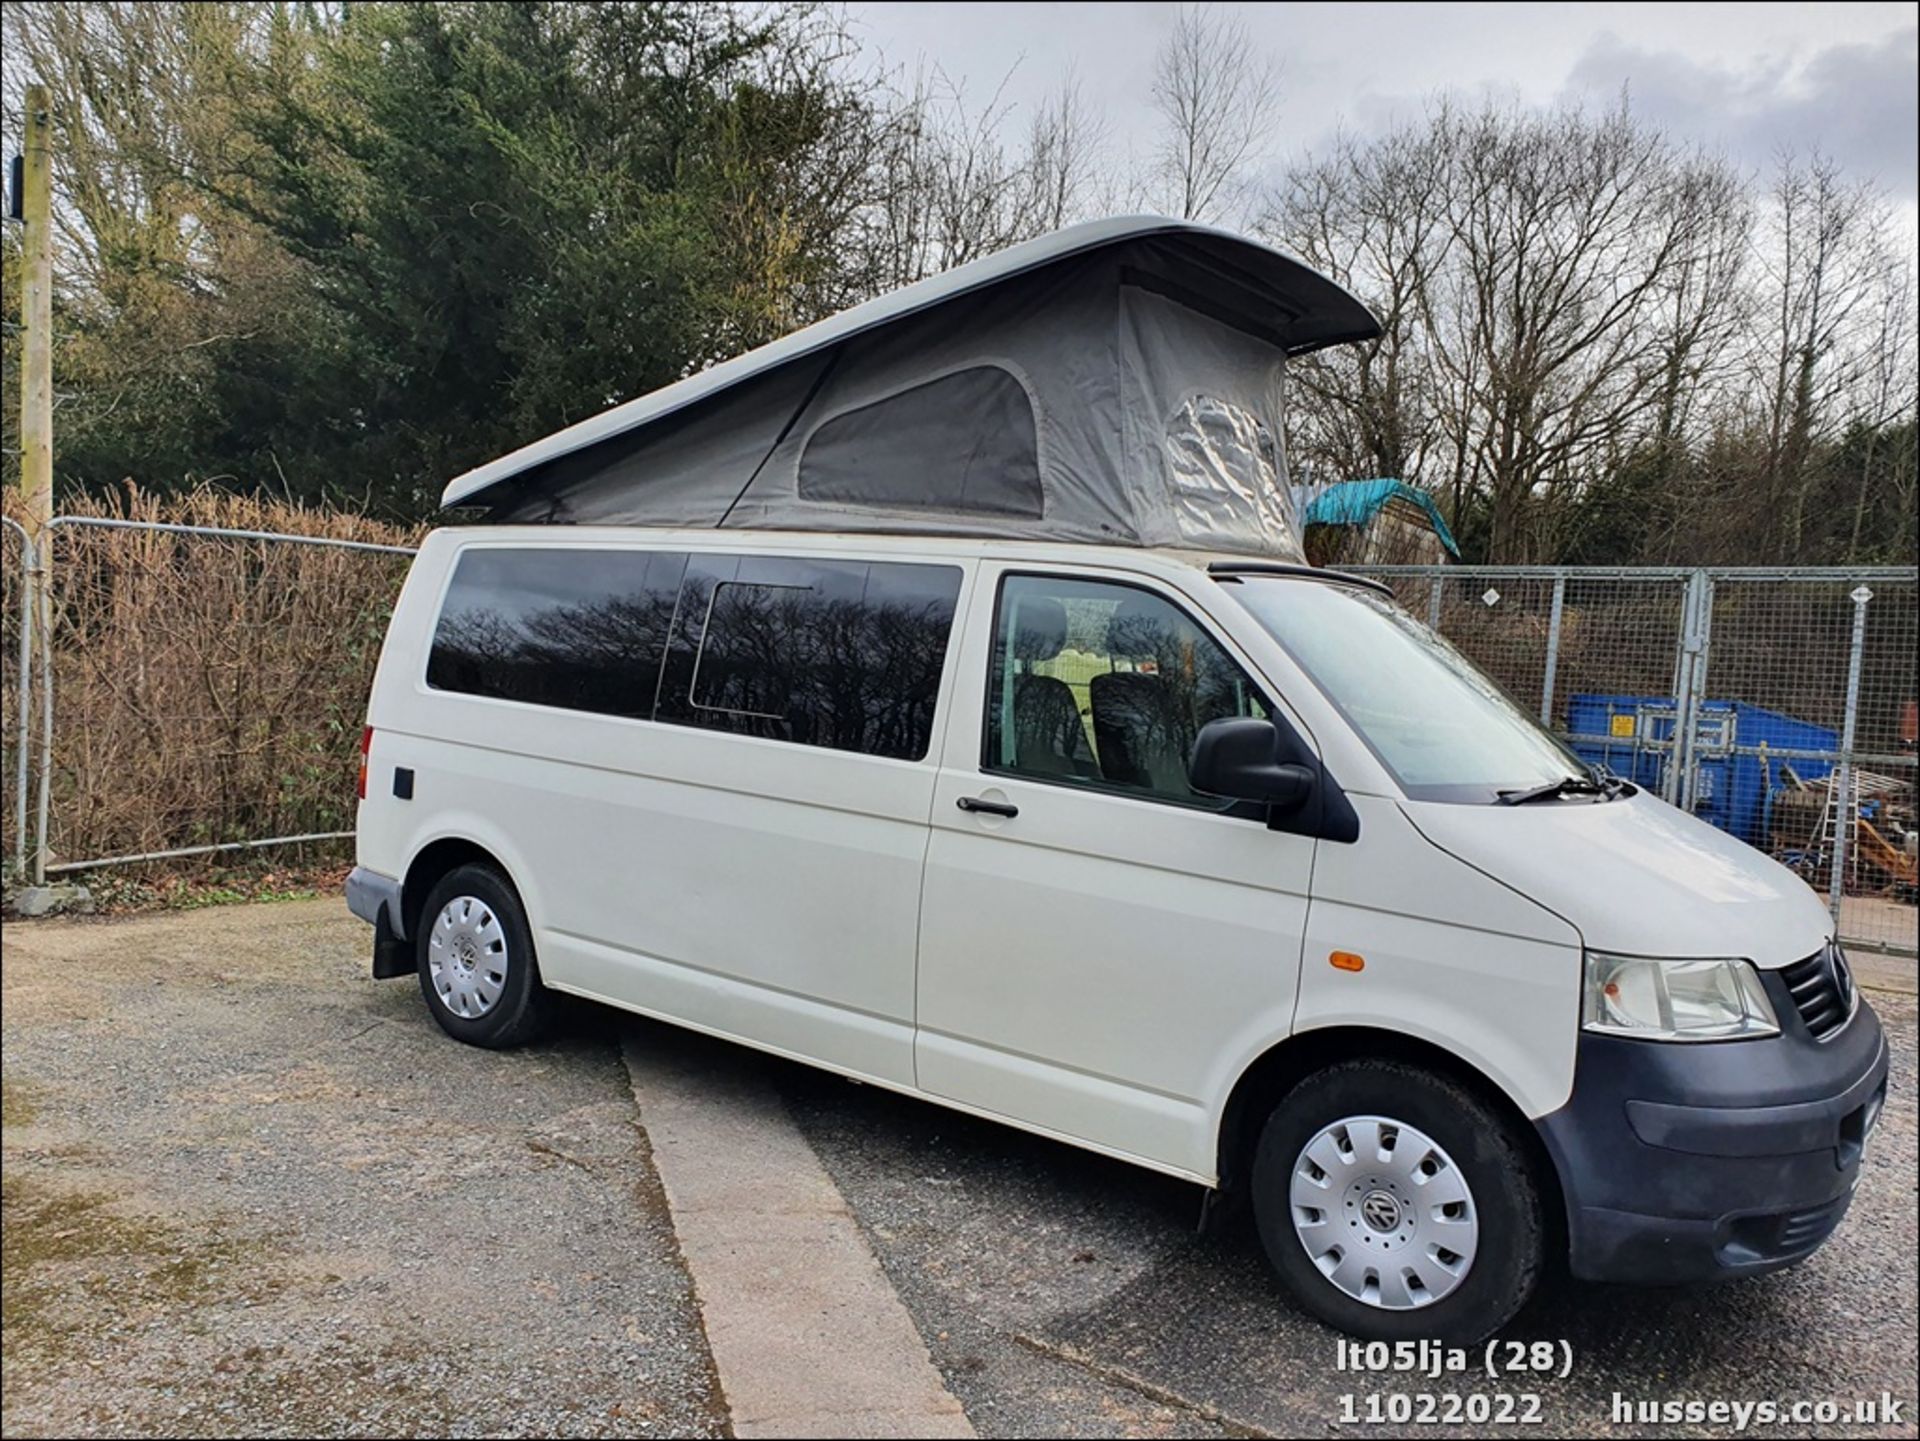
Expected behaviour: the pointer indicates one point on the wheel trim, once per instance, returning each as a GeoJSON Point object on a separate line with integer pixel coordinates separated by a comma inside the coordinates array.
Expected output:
{"type": "Point", "coordinates": [467, 957]}
{"type": "Point", "coordinates": [1383, 1213]}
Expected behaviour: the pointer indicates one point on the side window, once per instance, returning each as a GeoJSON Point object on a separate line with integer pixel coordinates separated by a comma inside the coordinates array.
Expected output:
{"type": "Point", "coordinates": [1105, 685]}
{"type": "Point", "coordinates": [575, 629]}
{"type": "Point", "coordinates": [841, 654]}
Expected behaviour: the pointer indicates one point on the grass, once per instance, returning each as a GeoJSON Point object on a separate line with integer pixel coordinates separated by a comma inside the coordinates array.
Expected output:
{"type": "Point", "coordinates": [130, 890]}
{"type": "Point", "coordinates": [73, 1267]}
{"type": "Point", "coordinates": [17, 1106]}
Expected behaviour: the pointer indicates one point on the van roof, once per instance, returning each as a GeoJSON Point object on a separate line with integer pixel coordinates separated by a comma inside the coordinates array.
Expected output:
{"type": "Point", "coordinates": [1285, 302]}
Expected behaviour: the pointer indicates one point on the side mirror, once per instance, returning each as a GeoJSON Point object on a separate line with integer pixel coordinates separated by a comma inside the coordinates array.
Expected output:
{"type": "Point", "coordinates": [1239, 757]}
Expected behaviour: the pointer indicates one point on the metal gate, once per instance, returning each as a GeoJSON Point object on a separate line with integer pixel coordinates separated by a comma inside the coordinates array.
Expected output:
{"type": "Point", "coordinates": [195, 690]}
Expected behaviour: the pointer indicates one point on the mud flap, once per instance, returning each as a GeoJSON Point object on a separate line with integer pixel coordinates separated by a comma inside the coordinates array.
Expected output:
{"type": "Point", "coordinates": [392, 956]}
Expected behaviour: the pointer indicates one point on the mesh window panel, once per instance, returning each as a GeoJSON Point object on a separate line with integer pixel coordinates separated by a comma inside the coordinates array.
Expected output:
{"type": "Point", "coordinates": [964, 444]}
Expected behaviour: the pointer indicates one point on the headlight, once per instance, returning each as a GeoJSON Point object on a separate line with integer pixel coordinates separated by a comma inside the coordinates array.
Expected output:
{"type": "Point", "coordinates": [1712, 1000]}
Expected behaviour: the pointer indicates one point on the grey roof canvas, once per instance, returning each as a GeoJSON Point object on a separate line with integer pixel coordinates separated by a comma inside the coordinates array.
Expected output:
{"type": "Point", "coordinates": [1119, 381]}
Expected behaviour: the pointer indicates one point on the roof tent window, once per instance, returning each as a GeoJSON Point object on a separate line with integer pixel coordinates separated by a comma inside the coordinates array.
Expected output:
{"type": "Point", "coordinates": [964, 444]}
{"type": "Point", "coordinates": [1225, 469]}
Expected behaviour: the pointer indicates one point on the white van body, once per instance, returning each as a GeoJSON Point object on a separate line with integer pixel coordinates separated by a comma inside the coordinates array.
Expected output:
{"type": "Point", "coordinates": [1143, 979]}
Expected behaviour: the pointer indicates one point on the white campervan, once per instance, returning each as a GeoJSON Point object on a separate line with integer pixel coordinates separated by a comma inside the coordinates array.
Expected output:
{"type": "Point", "coordinates": [935, 696]}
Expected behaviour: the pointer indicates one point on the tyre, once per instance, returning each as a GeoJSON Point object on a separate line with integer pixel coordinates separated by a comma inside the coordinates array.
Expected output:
{"type": "Point", "coordinates": [476, 961]}
{"type": "Point", "coordinates": [1396, 1204]}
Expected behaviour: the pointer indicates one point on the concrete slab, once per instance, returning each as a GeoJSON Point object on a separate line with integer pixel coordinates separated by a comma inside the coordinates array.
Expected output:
{"type": "Point", "coordinates": [1878, 972]}
{"type": "Point", "coordinates": [807, 1334]}
{"type": "Point", "coordinates": [1882, 921]}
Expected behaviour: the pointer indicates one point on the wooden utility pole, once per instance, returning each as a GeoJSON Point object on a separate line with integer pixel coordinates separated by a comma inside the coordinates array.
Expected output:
{"type": "Point", "coordinates": [36, 395]}
{"type": "Point", "coordinates": [36, 369]}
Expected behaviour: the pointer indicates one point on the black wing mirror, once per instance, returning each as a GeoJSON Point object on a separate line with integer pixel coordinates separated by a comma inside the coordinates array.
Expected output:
{"type": "Point", "coordinates": [1239, 757]}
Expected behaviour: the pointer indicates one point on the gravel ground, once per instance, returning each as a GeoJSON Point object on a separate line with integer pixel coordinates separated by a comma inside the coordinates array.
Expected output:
{"type": "Point", "coordinates": [1062, 1294]}
{"type": "Point", "coordinates": [249, 1190]}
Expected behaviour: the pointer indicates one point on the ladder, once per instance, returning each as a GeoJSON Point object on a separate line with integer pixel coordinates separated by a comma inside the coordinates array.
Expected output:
{"type": "Point", "coordinates": [1827, 847]}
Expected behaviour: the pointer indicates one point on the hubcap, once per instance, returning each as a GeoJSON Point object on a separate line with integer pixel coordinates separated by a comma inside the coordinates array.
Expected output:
{"type": "Point", "coordinates": [1381, 1211]}
{"type": "Point", "coordinates": [1384, 1213]}
{"type": "Point", "coordinates": [467, 957]}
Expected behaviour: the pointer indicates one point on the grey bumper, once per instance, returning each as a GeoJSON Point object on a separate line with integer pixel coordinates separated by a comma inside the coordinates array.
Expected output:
{"type": "Point", "coordinates": [370, 894]}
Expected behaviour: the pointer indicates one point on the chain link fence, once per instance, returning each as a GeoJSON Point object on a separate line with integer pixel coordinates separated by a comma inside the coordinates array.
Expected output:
{"type": "Point", "coordinates": [208, 686]}
{"type": "Point", "coordinates": [1777, 704]}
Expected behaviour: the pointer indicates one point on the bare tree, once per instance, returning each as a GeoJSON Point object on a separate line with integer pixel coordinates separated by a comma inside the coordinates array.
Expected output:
{"type": "Point", "coordinates": [1372, 215]}
{"type": "Point", "coordinates": [1218, 99]}
{"type": "Point", "coordinates": [1568, 231]}
{"type": "Point", "coordinates": [1890, 401]}
{"type": "Point", "coordinates": [1702, 302]}
{"type": "Point", "coordinates": [1821, 266]}
{"type": "Point", "coordinates": [951, 183]}
{"type": "Point", "coordinates": [1065, 168]}
{"type": "Point", "coordinates": [1555, 292]}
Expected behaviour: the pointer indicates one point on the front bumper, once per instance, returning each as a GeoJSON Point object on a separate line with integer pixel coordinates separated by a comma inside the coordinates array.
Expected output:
{"type": "Point", "coordinates": [1705, 1160]}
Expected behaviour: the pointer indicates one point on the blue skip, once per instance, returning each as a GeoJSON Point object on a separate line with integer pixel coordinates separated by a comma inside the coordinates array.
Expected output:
{"type": "Point", "coordinates": [1741, 752]}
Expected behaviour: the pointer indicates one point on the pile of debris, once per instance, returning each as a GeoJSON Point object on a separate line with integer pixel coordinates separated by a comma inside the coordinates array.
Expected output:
{"type": "Point", "coordinates": [1870, 829]}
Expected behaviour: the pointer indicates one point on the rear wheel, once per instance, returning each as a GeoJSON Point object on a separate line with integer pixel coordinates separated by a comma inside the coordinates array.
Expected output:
{"type": "Point", "coordinates": [1396, 1204]}
{"type": "Point", "coordinates": [476, 961]}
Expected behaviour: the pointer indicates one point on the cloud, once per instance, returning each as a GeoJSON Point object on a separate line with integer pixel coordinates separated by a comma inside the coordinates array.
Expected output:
{"type": "Point", "coordinates": [1856, 102]}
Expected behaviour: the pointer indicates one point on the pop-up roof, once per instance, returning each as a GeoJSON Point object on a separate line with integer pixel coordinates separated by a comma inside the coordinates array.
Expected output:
{"type": "Point", "coordinates": [1118, 381]}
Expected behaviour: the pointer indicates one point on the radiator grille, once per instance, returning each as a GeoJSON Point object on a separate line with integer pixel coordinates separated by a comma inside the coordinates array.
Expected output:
{"type": "Point", "coordinates": [1822, 990]}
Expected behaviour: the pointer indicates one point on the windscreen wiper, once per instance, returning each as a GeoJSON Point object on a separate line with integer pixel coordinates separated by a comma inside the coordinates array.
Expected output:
{"type": "Point", "coordinates": [1588, 785]}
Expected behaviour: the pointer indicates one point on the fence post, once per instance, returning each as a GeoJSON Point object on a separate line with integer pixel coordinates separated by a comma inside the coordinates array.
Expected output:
{"type": "Point", "coordinates": [1433, 603]}
{"type": "Point", "coordinates": [1846, 814]}
{"type": "Point", "coordinates": [43, 622]}
{"type": "Point", "coordinates": [1553, 648]}
{"type": "Point", "coordinates": [23, 736]}
{"type": "Point", "coordinates": [1696, 621]}
{"type": "Point", "coordinates": [1702, 669]}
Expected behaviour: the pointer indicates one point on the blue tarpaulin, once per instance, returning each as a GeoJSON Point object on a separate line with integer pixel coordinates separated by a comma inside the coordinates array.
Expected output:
{"type": "Point", "coordinates": [1357, 502]}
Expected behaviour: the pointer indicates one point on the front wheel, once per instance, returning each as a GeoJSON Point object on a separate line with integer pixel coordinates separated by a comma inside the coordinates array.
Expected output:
{"type": "Point", "coordinates": [1396, 1204]}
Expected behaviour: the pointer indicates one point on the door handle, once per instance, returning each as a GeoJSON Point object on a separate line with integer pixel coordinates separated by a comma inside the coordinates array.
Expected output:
{"type": "Point", "coordinates": [991, 808]}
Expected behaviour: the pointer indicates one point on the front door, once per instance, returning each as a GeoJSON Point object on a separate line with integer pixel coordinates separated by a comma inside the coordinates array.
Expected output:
{"type": "Point", "coordinates": [1101, 948]}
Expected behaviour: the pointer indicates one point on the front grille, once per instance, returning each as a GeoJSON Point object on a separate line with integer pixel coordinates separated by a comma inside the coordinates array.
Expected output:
{"type": "Point", "coordinates": [1822, 990]}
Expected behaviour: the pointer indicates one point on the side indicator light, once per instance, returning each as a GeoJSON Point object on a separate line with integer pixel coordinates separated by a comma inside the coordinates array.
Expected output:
{"type": "Point", "coordinates": [1347, 961]}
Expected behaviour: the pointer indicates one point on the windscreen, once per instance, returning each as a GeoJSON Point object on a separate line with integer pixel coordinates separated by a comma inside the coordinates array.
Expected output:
{"type": "Point", "coordinates": [1443, 729]}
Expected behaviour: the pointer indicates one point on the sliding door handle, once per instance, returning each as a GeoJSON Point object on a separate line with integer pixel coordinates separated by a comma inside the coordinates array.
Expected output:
{"type": "Point", "coordinates": [989, 808]}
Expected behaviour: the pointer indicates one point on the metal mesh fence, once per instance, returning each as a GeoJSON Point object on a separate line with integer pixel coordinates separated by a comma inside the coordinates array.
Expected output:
{"type": "Point", "coordinates": [209, 686]}
{"type": "Point", "coordinates": [1811, 685]}
{"type": "Point", "coordinates": [1776, 704]}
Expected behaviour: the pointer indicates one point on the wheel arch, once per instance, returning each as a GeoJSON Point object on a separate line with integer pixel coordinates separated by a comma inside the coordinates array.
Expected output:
{"type": "Point", "coordinates": [435, 861]}
{"type": "Point", "coordinates": [1288, 1062]}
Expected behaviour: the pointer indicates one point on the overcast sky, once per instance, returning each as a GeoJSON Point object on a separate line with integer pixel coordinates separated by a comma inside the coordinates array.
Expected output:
{"type": "Point", "coordinates": [1743, 78]}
